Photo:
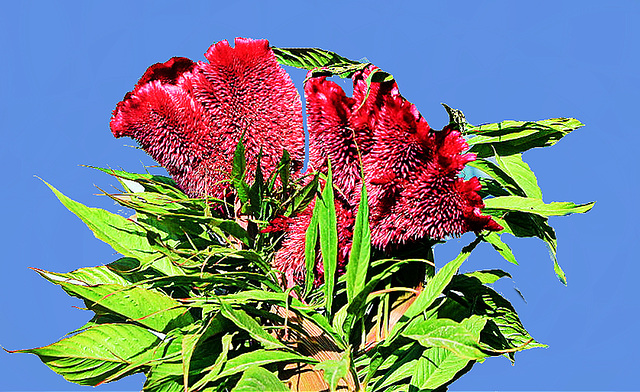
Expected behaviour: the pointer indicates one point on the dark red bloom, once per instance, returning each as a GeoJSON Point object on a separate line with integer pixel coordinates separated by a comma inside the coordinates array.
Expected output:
{"type": "Point", "coordinates": [411, 171]}
{"type": "Point", "coordinates": [189, 115]}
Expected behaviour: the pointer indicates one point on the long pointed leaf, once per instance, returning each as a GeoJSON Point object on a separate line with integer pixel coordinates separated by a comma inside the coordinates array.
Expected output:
{"type": "Point", "coordinates": [360, 249]}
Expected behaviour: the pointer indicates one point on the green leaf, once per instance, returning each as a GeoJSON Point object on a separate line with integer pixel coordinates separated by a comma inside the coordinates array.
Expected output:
{"type": "Point", "coordinates": [259, 379]}
{"type": "Point", "coordinates": [310, 243]}
{"type": "Point", "coordinates": [356, 308]}
{"type": "Point", "coordinates": [360, 250]}
{"type": "Point", "coordinates": [436, 367]}
{"type": "Point", "coordinates": [333, 370]}
{"type": "Point", "coordinates": [256, 191]}
{"type": "Point", "coordinates": [96, 354]}
{"type": "Point", "coordinates": [522, 174]}
{"type": "Point", "coordinates": [151, 183]}
{"type": "Point", "coordinates": [323, 62]}
{"type": "Point", "coordinates": [432, 290]}
{"type": "Point", "coordinates": [534, 206]}
{"type": "Point", "coordinates": [261, 357]}
{"type": "Point", "coordinates": [462, 339]}
{"type": "Point", "coordinates": [512, 137]}
{"type": "Point", "coordinates": [213, 371]}
{"type": "Point", "coordinates": [285, 170]}
{"type": "Point", "coordinates": [530, 225]}
{"type": "Point", "coordinates": [494, 239]}
{"type": "Point", "coordinates": [122, 234]}
{"type": "Point", "coordinates": [241, 319]}
{"type": "Point", "coordinates": [505, 180]}
{"type": "Point", "coordinates": [150, 308]}
{"type": "Point", "coordinates": [505, 330]}
{"type": "Point", "coordinates": [399, 366]}
{"type": "Point", "coordinates": [238, 170]}
{"type": "Point", "coordinates": [488, 276]}
{"type": "Point", "coordinates": [328, 238]}
{"type": "Point", "coordinates": [303, 197]}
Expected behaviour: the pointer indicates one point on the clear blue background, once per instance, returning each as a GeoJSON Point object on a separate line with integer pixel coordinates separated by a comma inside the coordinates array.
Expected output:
{"type": "Point", "coordinates": [66, 64]}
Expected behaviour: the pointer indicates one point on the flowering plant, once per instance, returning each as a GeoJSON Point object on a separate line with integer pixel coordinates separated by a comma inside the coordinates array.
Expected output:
{"type": "Point", "coordinates": [242, 271]}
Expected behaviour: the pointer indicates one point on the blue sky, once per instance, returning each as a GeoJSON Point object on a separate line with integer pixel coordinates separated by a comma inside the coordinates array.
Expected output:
{"type": "Point", "coordinates": [66, 64]}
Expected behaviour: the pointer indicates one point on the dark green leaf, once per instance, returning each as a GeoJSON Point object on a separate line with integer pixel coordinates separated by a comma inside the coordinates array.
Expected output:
{"type": "Point", "coordinates": [285, 170]}
{"type": "Point", "coordinates": [302, 198]}
{"type": "Point", "coordinates": [456, 118]}
{"type": "Point", "coordinates": [241, 319]}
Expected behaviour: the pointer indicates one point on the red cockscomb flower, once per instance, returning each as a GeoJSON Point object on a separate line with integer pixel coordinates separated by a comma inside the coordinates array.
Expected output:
{"type": "Point", "coordinates": [411, 171]}
{"type": "Point", "coordinates": [190, 115]}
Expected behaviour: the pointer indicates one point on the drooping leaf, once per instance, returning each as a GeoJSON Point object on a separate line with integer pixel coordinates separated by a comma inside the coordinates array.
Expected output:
{"type": "Point", "coordinates": [494, 239]}
{"type": "Point", "coordinates": [97, 353]}
{"type": "Point", "coordinates": [259, 379]}
{"type": "Point", "coordinates": [360, 249]}
{"type": "Point", "coordinates": [531, 225]}
{"type": "Point", "coordinates": [151, 183]}
{"type": "Point", "coordinates": [483, 301]}
{"type": "Point", "coordinates": [518, 169]}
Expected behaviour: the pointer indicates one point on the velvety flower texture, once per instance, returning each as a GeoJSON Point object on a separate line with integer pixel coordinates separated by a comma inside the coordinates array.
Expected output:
{"type": "Point", "coordinates": [411, 171]}
{"type": "Point", "coordinates": [190, 115]}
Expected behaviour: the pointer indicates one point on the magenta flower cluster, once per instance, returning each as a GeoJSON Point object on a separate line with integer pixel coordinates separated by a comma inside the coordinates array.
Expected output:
{"type": "Point", "coordinates": [189, 117]}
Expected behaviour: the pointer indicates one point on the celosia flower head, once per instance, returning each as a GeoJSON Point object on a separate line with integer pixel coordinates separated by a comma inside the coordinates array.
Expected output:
{"type": "Point", "coordinates": [189, 116]}
{"type": "Point", "coordinates": [411, 171]}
